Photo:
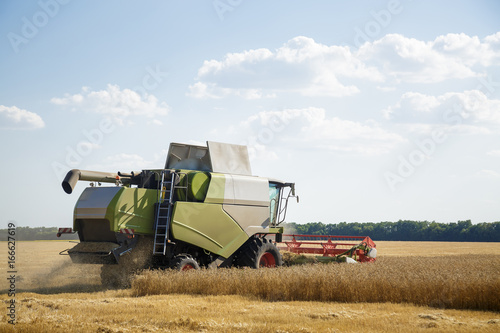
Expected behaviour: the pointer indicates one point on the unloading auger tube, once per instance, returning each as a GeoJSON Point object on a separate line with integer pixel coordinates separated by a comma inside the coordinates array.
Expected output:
{"type": "Point", "coordinates": [73, 176]}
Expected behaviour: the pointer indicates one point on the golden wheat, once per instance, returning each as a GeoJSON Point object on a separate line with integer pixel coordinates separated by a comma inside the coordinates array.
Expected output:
{"type": "Point", "coordinates": [115, 311]}
{"type": "Point", "coordinates": [465, 282]}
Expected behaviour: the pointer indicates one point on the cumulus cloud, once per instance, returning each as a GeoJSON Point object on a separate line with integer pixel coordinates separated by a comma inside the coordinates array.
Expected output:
{"type": "Point", "coordinates": [452, 56]}
{"type": "Point", "coordinates": [114, 102]}
{"type": "Point", "coordinates": [209, 90]}
{"type": "Point", "coordinates": [471, 107]}
{"type": "Point", "coordinates": [13, 117]}
{"type": "Point", "coordinates": [311, 127]}
{"type": "Point", "coordinates": [306, 67]}
{"type": "Point", "coordinates": [300, 66]}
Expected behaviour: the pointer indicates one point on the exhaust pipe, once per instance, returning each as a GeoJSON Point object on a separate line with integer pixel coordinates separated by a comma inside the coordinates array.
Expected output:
{"type": "Point", "coordinates": [75, 175]}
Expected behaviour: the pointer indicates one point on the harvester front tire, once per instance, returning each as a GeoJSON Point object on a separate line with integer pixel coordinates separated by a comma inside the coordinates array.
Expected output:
{"type": "Point", "coordinates": [184, 263]}
{"type": "Point", "coordinates": [258, 253]}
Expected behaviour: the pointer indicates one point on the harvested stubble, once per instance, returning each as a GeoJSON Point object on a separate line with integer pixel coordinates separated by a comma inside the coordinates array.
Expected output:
{"type": "Point", "coordinates": [462, 282]}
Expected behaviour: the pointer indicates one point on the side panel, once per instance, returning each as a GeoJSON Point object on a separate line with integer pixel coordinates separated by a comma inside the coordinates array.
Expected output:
{"type": "Point", "coordinates": [249, 190]}
{"type": "Point", "coordinates": [133, 208]}
{"type": "Point", "coordinates": [93, 202]}
{"type": "Point", "coordinates": [252, 219]}
{"type": "Point", "coordinates": [239, 190]}
{"type": "Point", "coordinates": [207, 226]}
{"type": "Point", "coordinates": [220, 189]}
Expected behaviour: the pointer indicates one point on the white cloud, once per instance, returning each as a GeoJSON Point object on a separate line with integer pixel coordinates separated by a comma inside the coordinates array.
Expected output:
{"type": "Point", "coordinates": [257, 151]}
{"type": "Point", "coordinates": [235, 60]}
{"type": "Point", "coordinates": [15, 118]}
{"type": "Point", "coordinates": [203, 90]}
{"type": "Point", "coordinates": [300, 66]}
{"type": "Point", "coordinates": [114, 102]}
{"type": "Point", "coordinates": [452, 56]}
{"type": "Point", "coordinates": [303, 66]}
{"type": "Point", "coordinates": [209, 90]}
{"type": "Point", "coordinates": [310, 127]}
{"type": "Point", "coordinates": [471, 107]}
{"type": "Point", "coordinates": [155, 122]}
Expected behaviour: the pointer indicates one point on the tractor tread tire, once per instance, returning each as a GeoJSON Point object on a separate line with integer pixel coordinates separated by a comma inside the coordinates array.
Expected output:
{"type": "Point", "coordinates": [251, 253]}
{"type": "Point", "coordinates": [184, 262]}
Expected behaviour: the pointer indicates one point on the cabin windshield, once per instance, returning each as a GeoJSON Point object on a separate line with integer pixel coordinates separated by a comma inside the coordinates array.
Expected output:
{"type": "Point", "coordinates": [274, 192]}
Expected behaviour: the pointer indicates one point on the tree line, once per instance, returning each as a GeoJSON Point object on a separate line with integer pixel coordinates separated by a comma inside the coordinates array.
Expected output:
{"type": "Point", "coordinates": [404, 230]}
{"type": "Point", "coordinates": [37, 233]}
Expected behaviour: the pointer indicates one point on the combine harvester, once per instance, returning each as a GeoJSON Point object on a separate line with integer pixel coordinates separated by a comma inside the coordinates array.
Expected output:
{"type": "Point", "coordinates": [204, 209]}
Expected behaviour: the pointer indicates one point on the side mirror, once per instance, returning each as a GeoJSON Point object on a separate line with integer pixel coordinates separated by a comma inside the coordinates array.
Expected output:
{"type": "Point", "coordinates": [297, 199]}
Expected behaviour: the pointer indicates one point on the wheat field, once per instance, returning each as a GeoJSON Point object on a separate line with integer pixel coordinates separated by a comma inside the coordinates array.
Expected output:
{"type": "Point", "coordinates": [413, 287]}
{"type": "Point", "coordinates": [464, 282]}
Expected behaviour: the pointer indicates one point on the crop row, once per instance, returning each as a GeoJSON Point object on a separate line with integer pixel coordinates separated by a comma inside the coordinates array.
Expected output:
{"type": "Point", "coordinates": [460, 282]}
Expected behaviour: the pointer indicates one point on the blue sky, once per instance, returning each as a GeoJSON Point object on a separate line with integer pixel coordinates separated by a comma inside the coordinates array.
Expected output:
{"type": "Point", "coordinates": [378, 110]}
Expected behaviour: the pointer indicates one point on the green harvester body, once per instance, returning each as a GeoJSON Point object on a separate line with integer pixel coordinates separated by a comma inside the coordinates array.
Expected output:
{"type": "Point", "coordinates": [204, 209]}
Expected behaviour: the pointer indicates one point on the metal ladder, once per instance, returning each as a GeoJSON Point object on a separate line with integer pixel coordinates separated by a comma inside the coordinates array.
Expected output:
{"type": "Point", "coordinates": [164, 211]}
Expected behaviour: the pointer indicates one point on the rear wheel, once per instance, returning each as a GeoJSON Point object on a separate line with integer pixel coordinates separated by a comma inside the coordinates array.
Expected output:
{"type": "Point", "coordinates": [258, 253]}
{"type": "Point", "coordinates": [184, 263]}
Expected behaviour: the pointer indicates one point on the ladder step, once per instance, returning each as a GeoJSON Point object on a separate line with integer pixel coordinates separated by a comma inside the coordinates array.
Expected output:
{"type": "Point", "coordinates": [164, 211]}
